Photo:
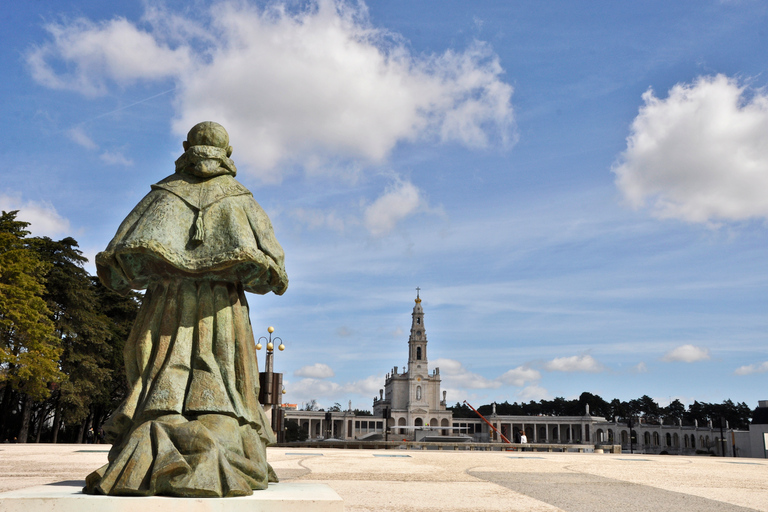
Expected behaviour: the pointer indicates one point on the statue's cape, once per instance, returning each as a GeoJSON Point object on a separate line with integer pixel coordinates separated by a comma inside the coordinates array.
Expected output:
{"type": "Point", "coordinates": [205, 228]}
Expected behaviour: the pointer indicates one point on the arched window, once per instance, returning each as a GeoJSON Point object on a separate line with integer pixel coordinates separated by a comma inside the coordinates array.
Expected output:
{"type": "Point", "coordinates": [669, 439]}
{"type": "Point", "coordinates": [656, 440]}
{"type": "Point", "coordinates": [418, 320]}
{"type": "Point", "coordinates": [418, 353]}
{"type": "Point", "coordinates": [647, 438]}
{"type": "Point", "coordinates": [624, 437]}
{"type": "Point", "coordinates": [693, 441]}
{"type": "Point", "coordinates": [418, 422]}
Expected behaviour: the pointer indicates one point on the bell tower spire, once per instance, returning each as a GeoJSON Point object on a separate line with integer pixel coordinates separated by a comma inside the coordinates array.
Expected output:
{"type": "Point", "coordinates": [417, 341]}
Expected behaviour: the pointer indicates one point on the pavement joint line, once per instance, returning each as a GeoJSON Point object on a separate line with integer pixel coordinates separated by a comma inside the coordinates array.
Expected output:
{"type": "Point", "coordinates": [387, 455]}
{"type": "Point", "coordinates": [513, 457]}
{"type": "Point", "coordinates": [636, 460]}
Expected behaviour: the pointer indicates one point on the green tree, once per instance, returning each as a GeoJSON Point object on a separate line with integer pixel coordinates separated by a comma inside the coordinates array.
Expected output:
{"type": "Point", "coordinates": [673, 413]}
{"type": "Point", "coordinates": [84, 332]}
{"type": "Point", "coordinates": [29, 350]}
{"type": "Point", "coordinates": [311, 406]}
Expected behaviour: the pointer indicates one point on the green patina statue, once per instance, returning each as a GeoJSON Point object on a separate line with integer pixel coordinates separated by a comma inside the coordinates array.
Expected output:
{"type": "Point", "coordinates": [191, 424]}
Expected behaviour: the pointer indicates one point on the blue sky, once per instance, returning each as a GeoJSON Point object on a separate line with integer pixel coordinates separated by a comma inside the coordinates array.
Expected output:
{"type": "Point", "coordinates": [580, 190]}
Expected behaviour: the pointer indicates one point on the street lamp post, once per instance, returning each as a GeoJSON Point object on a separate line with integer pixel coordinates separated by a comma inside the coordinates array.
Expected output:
{"type": "Point", "coordinates": [271, 383]}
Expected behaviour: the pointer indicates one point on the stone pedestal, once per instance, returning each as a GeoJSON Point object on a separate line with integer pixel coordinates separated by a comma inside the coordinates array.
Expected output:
{"type": "Point", "coordinates": [68, 497]}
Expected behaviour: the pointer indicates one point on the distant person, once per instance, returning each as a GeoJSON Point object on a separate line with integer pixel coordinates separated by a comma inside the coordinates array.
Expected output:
{"type": "Point", "coordinates": [523, 438]}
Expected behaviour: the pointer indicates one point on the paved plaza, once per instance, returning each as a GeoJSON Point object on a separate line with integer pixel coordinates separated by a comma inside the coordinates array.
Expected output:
{"type": "Point", "coordinates": [410, 480]}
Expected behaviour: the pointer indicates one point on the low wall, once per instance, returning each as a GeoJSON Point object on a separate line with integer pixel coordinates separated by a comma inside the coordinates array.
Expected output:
{"type": "Point", "coordinates": [416, 445]}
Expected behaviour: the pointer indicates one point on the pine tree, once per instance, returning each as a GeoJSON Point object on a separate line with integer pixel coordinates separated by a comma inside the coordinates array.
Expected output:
{"type": "Point", "coordinates": [83, 330]}
{"type": "Point", "coordinates": [29, 350]}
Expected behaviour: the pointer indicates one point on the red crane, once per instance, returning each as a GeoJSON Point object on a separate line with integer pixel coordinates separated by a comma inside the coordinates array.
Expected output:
{"type": "Point", "coordinates": [489, 423]}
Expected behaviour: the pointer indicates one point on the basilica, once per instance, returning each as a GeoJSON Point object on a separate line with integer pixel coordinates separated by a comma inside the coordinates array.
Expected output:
{"type": "Point", "coordinates": [412, 407]}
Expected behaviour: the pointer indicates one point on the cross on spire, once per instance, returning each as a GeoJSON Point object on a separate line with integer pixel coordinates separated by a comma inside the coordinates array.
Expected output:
{"type": "Point", "coordinates": [417, 292]}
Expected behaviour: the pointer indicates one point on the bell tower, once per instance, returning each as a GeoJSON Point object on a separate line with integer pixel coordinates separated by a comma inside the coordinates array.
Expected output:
{"type": "Point", "coordinates": [417, 341]}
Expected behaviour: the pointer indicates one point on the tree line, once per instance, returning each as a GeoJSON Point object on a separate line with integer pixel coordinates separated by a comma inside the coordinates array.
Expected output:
{"type": "Point", "coordinates": [61, 339]}
{"type": "Point", "coordinates": [645, 408]}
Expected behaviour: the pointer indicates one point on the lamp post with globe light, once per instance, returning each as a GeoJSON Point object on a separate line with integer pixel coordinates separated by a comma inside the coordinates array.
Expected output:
{"type": "Point", "coordinates": [271, 383]}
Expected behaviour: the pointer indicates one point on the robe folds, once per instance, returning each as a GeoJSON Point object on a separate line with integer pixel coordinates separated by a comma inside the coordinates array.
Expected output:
{"type": "Point", "coordinates": [191, 423]}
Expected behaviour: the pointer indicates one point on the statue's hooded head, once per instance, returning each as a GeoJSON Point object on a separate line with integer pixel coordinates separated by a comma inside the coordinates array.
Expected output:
{"type": "Point", "coordinates": [208, 133]}
{"type": "Point", "coordinates": [206, 152]}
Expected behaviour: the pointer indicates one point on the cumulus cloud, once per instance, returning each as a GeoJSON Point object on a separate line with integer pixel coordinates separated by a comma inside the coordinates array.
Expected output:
{"type": "Point", "coordinates": [317, 388]}
{"type": "Point", "coordinates": [686, 354]}
{"type": "Point", "coordinates": [311, 389]}
{"type": "Point", "coordinates": [315, 371]}
{"type": "Point", "coordinates": [370, 385]}
{"type": "Point", "coordinates": [701, 154]}
{"type": "Point", "coordinates": [398, 202]}
{"type": "Point", "coordinates": [585, 363]}
{"type": "Point", "coordinates": [533, 392]}
{"type": "Point", "coordinates": [43, 218]}
{"type": "Point", "coordinates": [294, 85]}
{"type": "Point", "coordinates": [752, 368]}
{"type": "Point", "coordinates": [98, 53]}
{"type": "Point", "coordinates": [455, 375]}
{"type": "Point", "coordinates": [520, 375]}
{"type": "Point", "coordinates": [640, 367]}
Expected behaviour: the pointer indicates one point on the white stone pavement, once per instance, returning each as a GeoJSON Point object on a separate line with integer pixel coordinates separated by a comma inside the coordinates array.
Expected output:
{"type": "Point", "coordinates": [410, 481]}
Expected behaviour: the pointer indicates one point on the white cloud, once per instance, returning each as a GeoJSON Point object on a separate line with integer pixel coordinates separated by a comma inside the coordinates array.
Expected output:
{"type": "Point", "coordinates": [78, 135]}
{"type": "Point", "coordinates": [701, 154]}
{"type": "Point", "coordinates": [115, 158]}
{"type": "Point", "coordinates": [315, 371]}
{"type": "Point", "coordinates": [312, 389]}
{"type": "Point", "coordinates": [455, 375]}
{"type": "Point", "coordinates": [43, 218]}
{"type": "Point", "coordinates": [585, 363]}
{"type": "Point", "coordinates": [520, 375]}
{"type": "Point", "coordinates": [686, 354]}
{"type": "Point", "coordinates": [640, 367]}
{"type": "Point", "coordinates": [292, 85]}
{"type": "Point", "coordinates": [752, 368]}
{"type": "Point", "coordinates": [397, 203]}
{"type": "Point", "coordinates": [96, 53]}
{"type": "Point", "coordinates": [533, 392]}
{"type": "Point", "coordinates": [370, 385]}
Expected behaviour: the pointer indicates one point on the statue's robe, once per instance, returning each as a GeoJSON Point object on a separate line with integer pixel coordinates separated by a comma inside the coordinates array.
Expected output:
{"type": "Point", "coordinates": [191, 424]}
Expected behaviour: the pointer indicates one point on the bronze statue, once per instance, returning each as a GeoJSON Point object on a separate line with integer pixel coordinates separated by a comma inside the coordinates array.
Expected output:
{"type": "Point", "coordinates": [191, 424]}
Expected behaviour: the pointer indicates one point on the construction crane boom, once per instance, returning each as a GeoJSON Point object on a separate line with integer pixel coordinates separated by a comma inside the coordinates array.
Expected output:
{"type": "Point", "coordinates": [489, 423]}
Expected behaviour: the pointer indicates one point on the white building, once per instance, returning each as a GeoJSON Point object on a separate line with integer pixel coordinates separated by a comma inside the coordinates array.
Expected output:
{"type": "Point", "coordinates": [412, 398]}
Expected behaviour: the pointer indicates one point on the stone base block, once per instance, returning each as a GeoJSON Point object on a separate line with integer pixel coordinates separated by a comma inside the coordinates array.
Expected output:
{"type": "Point", "coordinates": [68, 497]}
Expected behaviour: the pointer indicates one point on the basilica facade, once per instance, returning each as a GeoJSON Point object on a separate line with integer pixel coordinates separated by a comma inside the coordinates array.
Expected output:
{"type": "Point", "coordinates": [411, 398]}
